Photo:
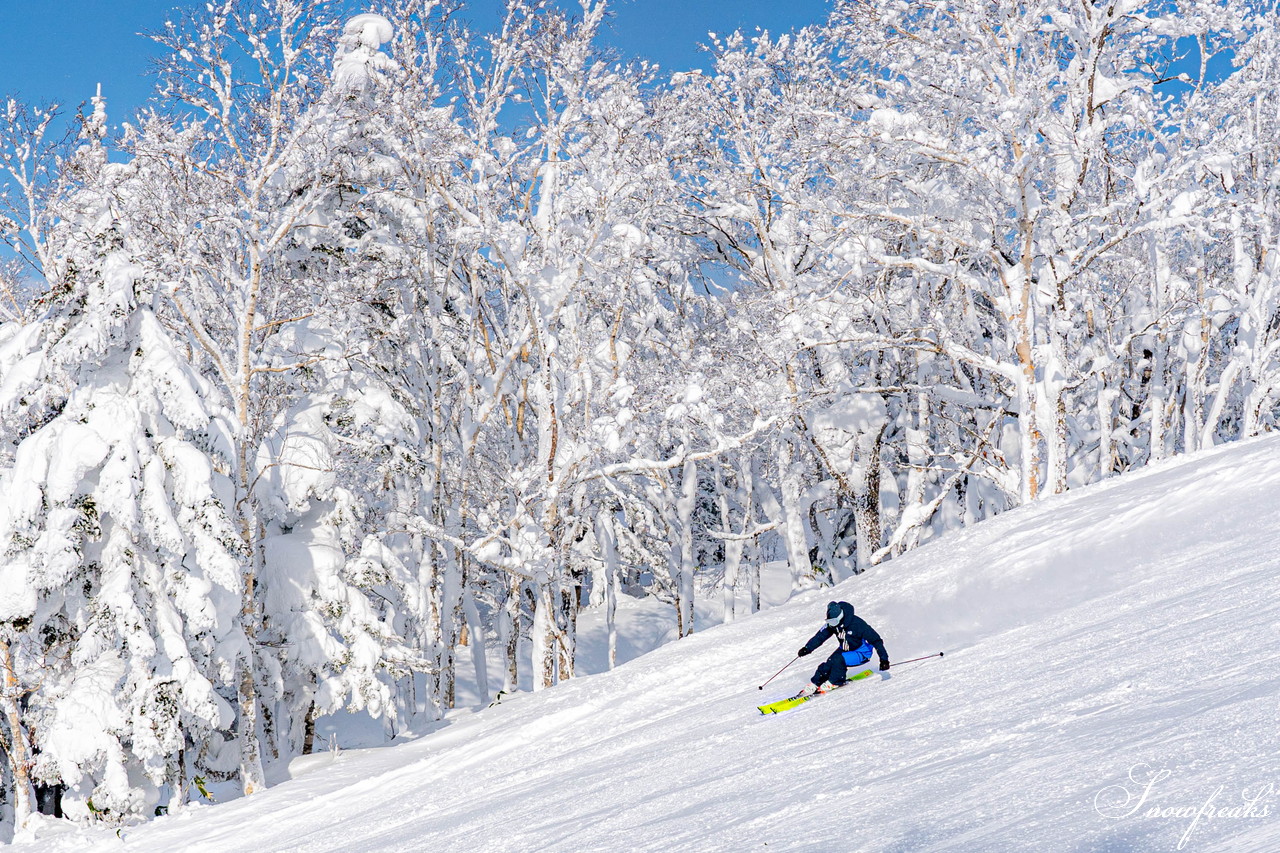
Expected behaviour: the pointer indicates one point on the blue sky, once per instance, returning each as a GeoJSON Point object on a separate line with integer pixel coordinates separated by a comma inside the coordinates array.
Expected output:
{"type": "Point", "coordinates": [59, 50]}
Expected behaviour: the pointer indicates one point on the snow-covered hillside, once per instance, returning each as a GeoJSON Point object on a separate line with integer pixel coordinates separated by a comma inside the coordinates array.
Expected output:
{"type": "Point", "coordinates": [1109, 653]}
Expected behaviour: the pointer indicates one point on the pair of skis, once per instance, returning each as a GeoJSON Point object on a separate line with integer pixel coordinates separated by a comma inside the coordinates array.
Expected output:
{"type": "Point", "coordinates": [795, 701]}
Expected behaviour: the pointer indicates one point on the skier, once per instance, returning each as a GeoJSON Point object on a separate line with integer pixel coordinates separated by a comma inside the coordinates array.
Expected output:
{"type": "Point", "coordinates": [857, 640]}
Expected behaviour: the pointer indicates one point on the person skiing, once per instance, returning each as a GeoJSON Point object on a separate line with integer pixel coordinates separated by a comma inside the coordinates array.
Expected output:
{"type": "Point", "coordinates": [857, 639]}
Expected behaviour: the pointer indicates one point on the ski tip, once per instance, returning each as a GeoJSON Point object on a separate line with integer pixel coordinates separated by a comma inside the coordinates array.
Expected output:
{"type": "Point", "coordinates": [783, 705]}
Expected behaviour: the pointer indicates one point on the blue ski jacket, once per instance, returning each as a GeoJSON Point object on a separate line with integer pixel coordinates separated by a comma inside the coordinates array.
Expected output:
{"type": "Point", "coordinates": [852, 631]}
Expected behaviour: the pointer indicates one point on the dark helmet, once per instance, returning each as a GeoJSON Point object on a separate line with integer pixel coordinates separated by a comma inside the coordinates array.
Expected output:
{"type": "Point", "coordinates": [835, 613]}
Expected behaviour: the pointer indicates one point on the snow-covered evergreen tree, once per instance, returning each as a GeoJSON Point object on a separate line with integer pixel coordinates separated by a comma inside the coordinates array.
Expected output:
{"type": "Point", "coordinates": [121, 576]}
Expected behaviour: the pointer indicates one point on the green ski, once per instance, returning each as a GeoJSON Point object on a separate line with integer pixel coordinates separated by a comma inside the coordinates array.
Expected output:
{"type": "Point", "coordinates": [787, 704]}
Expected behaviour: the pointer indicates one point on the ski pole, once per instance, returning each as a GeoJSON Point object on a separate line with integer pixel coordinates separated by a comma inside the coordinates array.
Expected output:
{"type": "Point", "coordinates": [913, 660]}
{"type": "Point", "coordinates": [776, 674]}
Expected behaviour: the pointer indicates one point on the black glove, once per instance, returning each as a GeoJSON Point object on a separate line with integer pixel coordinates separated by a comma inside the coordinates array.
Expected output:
{"type": "Point", "coordinates": [803, 651]}
{"type": "Point", "coordinates": [884, 664]}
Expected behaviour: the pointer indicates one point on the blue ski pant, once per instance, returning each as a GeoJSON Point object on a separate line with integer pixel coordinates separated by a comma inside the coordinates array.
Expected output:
{"type": "Point", "coordinates": [835, 668]}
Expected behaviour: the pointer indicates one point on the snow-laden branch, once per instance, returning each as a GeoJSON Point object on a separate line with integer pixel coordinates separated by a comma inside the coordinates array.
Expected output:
{"type": "Point", "coordinates": [649, 467]}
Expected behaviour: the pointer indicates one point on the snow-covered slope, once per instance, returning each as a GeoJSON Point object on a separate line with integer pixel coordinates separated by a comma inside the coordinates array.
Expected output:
{"type": "Point", "coordinates": [1117, 642]}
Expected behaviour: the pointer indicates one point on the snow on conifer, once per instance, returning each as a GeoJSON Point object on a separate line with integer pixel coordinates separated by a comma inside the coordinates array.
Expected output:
{"type": "Point", "coordinates": [120, 563]}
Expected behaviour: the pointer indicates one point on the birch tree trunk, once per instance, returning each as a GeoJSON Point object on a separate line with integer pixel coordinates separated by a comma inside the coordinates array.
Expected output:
{"type": "Point", "coordinates": [866, 497]}
{"type": "Point", "coordinates": [733, 548]}
{"type": "Point", "coordinates": [684, 578]}
{"type": "Point", "coordinates": [1107, 399]}
{"type": "Point", "coordinates": [608, 579]}
{"type": "Point", "coordinates": [1018, 287]}
{"type": "Point", "coordinates": [509, 634]}
{"type": "Point", "coordinates": [917, 437]}
{"type": "Point", "coordinates": [1054, 384]}
{"type": "Point", "coordinates": [543, 637]}
{"type": "Point", "coordinates": [252, 777]}
{"type": "Point", "coordinates": [16, 746]}
{"type": "Point", "coordinates": [792, 520]}
{"type": "Point", "coordinates": [1157, 402]}
{"type": "Point", "coordinates": [567, 633]}
{"type": "Point", "coordinates": [476, 635]}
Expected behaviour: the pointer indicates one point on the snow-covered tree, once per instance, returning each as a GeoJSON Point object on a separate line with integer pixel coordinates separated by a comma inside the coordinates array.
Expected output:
{"type": "Point", "coordinates": [1226, 223]}
{"type": "Point", "coordinates": [235, 193]}
{"type": "Point", "coordinates": [121, 580]}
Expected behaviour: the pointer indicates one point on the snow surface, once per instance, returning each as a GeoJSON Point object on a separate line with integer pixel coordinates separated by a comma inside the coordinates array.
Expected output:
{"type": "Point", "coordinates": [1094, 641]}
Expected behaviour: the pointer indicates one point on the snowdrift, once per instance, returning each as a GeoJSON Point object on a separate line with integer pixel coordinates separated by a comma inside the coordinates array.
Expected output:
{"type": "Point", "coordinates": [1111, 683]}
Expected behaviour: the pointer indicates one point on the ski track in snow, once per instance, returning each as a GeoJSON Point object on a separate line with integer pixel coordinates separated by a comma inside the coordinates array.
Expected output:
{"type": "Point", "coordinates": [1127, 626]}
